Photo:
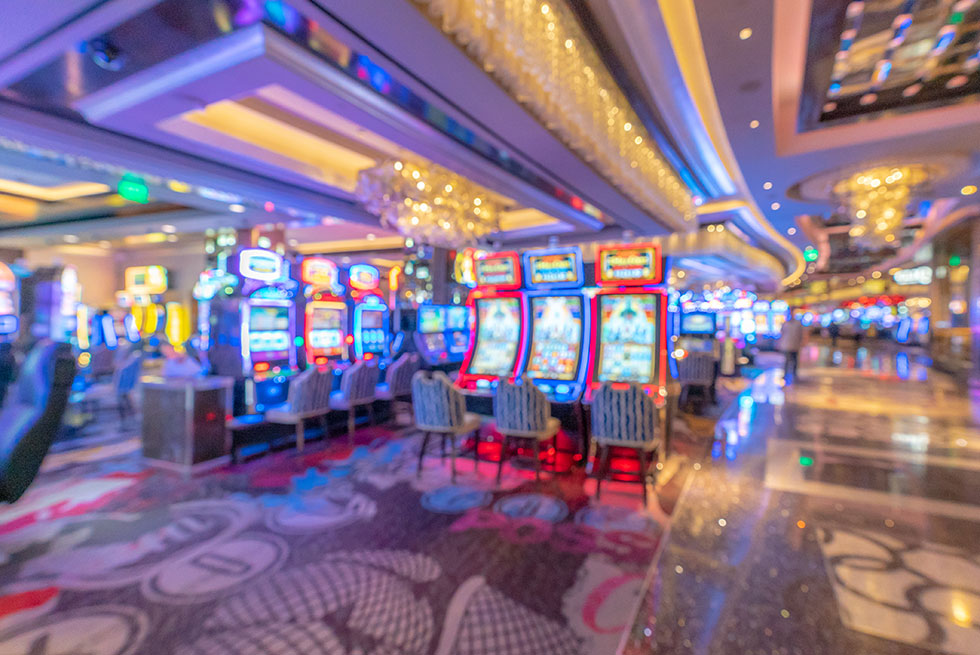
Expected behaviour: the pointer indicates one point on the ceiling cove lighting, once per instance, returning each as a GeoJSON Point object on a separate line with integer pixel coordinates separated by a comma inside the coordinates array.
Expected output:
{"type": "Point", "coordinates": [568, 89]}
{"type": "Point", "coordinates": [968, 190]}
{"type": "Point", "coordinates": [67, 191]}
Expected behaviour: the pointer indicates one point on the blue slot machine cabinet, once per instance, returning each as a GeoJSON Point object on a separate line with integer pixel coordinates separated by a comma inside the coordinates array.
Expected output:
{"type": "Point", "coordinates": [555, 354]}
{"type": "Point", "coordinates": [370, 326]}
{"type": "Point", "coordinates": [253, 333]}
{"type": "Point", "coordinates": [697, 332]}
{"type": "Point", "coordinates": [442, 336]}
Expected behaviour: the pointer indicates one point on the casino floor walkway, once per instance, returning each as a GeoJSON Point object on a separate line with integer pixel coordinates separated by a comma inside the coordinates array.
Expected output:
{"type": "Point", "coordinates": [839, 514]}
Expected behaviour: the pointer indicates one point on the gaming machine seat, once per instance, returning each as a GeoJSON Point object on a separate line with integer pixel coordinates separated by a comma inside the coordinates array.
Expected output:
{"type": "Point", "coordinates": [31, 415]}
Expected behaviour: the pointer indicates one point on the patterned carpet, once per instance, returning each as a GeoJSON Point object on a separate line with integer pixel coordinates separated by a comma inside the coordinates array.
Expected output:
{"type": "Point", "coordinates": [336, 551]}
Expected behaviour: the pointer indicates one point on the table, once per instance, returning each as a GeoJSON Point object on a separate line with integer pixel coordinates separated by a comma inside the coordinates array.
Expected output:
{"type": "Point", "coordinates": [184, 420]}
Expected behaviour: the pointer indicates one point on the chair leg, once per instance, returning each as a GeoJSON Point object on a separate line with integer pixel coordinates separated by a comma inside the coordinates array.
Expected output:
{"type": "Point", "coordinates": [644, 470]}
{"type": "Point", "coordinates": [425, 442]}
{"type": "Point", "coordinates": [590, 457]}
{"type": "Point", "coordinates": [503, 455]}
{"type": "Point", "coordinates": [476, 448]}
{"type": "Point", "coordinates": [537, 460]}
{"type": "Point", "coordinates": [442, 445]}
{"type": "Point", "coordinates": [351, 414]}
{"type": "Point", "coordinates": [300, 435]}
{"type": "Point", "coordinates": [603, 467]}
{"type": "Point", "coordinates": [370, 407]}
{"type": "Point", "coordinates": [452, 456]}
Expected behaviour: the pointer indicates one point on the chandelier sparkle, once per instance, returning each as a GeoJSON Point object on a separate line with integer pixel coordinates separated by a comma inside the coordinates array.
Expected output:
{"type": "Point", "coordinates": [428, 203]}
{"type": "Point", "coordinates": [878, 200]}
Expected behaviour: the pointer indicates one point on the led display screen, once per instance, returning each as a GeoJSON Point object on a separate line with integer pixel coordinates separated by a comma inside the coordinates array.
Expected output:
{"type": "Point", "coordinates": [556, 340]}
{"type": "Point", "coordinates": [268, 318]}
{"type": "Point", "coordinates": [457, 318]}
{"type": "Point", "coordinates": [498, 333]}
{"type": "Point", "coordinates": [628, 338]}
{"type": "Point", "coordinates": [372, 319]}
{"type": "Point", "coordinates": [698, 323]}
{"type": "Point", "coordinates": [432, 319]}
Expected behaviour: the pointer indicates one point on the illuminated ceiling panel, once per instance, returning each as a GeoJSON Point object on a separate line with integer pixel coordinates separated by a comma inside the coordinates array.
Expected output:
{"type": "Point", "coordinates": [274, 140]}
{"type": "Point", "coordinates": [56, 193]}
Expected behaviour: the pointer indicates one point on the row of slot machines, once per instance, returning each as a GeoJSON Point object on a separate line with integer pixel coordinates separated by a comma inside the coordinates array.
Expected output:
{"type": "Point", "coordinates": [260, 323]}
{"type": "Point", "coordinates": [537, 316]}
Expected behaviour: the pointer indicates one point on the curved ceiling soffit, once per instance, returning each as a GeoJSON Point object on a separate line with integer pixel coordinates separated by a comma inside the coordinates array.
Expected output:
{"type": "Point", "coordinates": [944, 215]}
{"type": "Point", "coordinates": [681, 22]}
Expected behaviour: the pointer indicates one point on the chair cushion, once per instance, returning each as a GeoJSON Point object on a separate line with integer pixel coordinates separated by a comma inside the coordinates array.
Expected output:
{"type": "Point", "coordinates": [552, 425]}
{"type": "Point", "coordinates": [471, 423]}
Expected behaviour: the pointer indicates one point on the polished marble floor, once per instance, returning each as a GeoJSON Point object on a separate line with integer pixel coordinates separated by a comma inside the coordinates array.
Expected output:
{"type": "Point", "coordinates": [836, 514]}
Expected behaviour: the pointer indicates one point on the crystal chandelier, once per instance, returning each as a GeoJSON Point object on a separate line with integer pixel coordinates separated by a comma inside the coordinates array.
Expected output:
{"type": "Point", "coordinates": [539, 52]}
{"type": "Point", "coordinates": [878, 200]}
{"type": "Point", "coordinates": [428, 203]}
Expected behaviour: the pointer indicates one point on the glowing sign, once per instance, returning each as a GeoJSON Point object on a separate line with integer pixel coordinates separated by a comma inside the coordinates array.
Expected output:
{"type": "Point", "coordinates": [146, 280]}
{"type": "Point", "coordinates": [133, 188]}
{"type": "Point", "coordinates": [259, 264]}
{"type": "Point", "coordinates": [321, 273]}
{"type": "Point", "coordinates": [464, 267]}
{"type": "Point", "coordinates": [501, 270]}
{"type": "Point", "coordinates": [629, 265]}
{"type": "Point", "coordinates": [918, 275]}
{"type": "Point", "coordinates": [364, 277]}
{"type": "Point", "coordinates": [554, 268]}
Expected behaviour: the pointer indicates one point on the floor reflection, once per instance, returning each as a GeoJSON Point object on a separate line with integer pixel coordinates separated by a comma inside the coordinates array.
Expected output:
{"type": "Point", "coordinates": [839, 513]}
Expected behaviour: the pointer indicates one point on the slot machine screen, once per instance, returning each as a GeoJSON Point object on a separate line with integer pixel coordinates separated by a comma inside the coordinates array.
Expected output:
{"type": "Point", "coordinates": [432, 319]}
{"type": "Point", "coordinates": [698, 323]}
{"type": "Point", "coordinates": [457, 318]}
{"type": "Point", "coordinates": [435, 342]}
{"type": "Point", "coordinates": [628, 338]}
{"type": "Point", "coordinates": [498, 333]}
{"type": "Point", "coordinates": [269, 331]}
{"type": "Point", "coordinates": [326, 331]}
{"type": "Point", "coordinates": [556, 341]}
{"type": "Point", "coordinates": [372, 320]}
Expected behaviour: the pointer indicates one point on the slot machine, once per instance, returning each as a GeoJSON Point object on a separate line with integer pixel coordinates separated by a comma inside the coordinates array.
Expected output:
{"type": "Point", "coordinates": [696, 332]}
{"type": "Point", "coordinates": [324, 315]}
{"type": "Point", "coordinates": [629, 315]}
{"type": "Point", "coordinates": [442, 334]}
{"type": "Point", "coordinates": [498, 323]}
{"type": "Point", "coordinates": [559, 319]}
{"type": "Point", "coordinates": [253, 328]}
{"type": "Point", "coordinates": [9, 304]}
{"type": "Point", "coordinates": [370, 327]}
{"type": "Point", "coordinates": [49, 304]}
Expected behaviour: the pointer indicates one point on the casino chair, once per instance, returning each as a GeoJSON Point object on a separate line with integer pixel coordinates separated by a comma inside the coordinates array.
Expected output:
{"type": "Point", "coordinates": [397, 386]}
{"type": "Point", "coordinates": [118, 391]}
{"type": "Point", "coordinates": [440, 408]}
{"type": "Point", "coordinates": [696, 371]}
{"type": "Point", "coordinates": [624, 416]}
{"type": "Point", "coordinates": [32, 413]}
{"type": "Point", "coordinates": [357, 388]}
{"type": "Point", "coordinates": [522, 412]}
{"type": "Point", "coordinates": [308, 397]}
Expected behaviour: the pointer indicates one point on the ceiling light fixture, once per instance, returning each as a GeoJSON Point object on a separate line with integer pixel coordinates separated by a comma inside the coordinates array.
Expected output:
{"type": "Point", "coordinates": [168, 229]}
{"type": "Point", "coordinates": [791, 231]}
{"type": "Point", "coordinates": [754, 124]}
{"type": "Point", "coordinates": [774, 206]}
{"type": "Point", "coordinates": [767, 186]}
{"type": "Point", "coordinates": [968, 190]}
{"type": "Point", "coordinates": [878, 199]}
{"type": "Point", "coordinates": [71, 238]}
{"type": "Point", "coordinates": [745, 33]}
{"type": "Point", "coordinates": [238, 209]}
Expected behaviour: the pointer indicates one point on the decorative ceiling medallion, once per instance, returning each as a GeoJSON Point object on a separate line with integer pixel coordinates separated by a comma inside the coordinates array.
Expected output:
{"type": "Point", "coordinates": [540, 54]}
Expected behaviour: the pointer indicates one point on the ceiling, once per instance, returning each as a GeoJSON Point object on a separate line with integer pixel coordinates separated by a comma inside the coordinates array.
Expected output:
{"type": "Point", "coordinates": [771, 64]}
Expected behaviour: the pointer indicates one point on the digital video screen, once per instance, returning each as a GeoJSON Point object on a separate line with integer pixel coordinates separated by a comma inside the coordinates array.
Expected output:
{"type": "Point", "coordinates": [327, 339]}
{"type": "Point", "coordinates": [262, 319]}
{"type": "Point", "coordinates": [556, 340]}
{"type": "Point", "coordinates": [371, 319]}
{"type": "Point", "coordinates": [458, 318]}
{"type": "Point", "coordinates": [432, 319]}
{"type": "Point", "coordinates": [327, 318]}
{"type": "Point", "coordinates": [698, 323]}
{"type": "Point", "coordinates": [459, 342]}
{"type": "Point", "coordinates": [628, 337]}
{"type": "Point", "coordinates": [435, 342]}
{"type": "Point", "coordinates": [498, 333]}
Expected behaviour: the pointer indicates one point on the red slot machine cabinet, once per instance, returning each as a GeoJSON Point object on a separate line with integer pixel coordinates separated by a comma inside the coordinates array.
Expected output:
{"type": "Point", "coordinates": [498, 323]}
{"type": "Point", "coordinates": [325, 313]}
{"type": "Point", "coordinates": [629, 320]}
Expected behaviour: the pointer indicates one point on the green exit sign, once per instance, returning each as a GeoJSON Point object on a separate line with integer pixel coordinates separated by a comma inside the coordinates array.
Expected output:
{"type": "Point", "coordinates": [133, 188]}
{"type": "Point", "coordinates": [810, 254]}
